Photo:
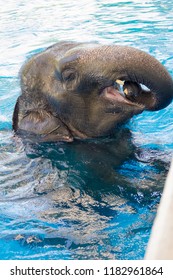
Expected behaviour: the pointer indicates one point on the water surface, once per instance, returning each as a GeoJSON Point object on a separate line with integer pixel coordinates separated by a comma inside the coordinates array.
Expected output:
{"type": "Point", "coordinates": [88, 199]}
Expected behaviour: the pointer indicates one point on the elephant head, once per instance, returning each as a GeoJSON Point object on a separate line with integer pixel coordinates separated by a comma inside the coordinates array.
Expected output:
{"type": "Point", "coordinates": [72, 90]}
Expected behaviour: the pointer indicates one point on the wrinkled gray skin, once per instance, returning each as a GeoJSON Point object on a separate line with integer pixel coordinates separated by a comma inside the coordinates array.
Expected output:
{"type": "Point", "coordinates": [69, 90]}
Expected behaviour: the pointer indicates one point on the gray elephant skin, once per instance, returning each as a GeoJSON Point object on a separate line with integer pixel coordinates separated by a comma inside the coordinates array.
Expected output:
{"type": "Point", "coordinates": [73, 90]}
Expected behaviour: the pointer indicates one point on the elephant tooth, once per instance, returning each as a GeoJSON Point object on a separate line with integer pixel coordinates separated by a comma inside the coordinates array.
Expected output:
{"type": "Point", "coordinates": [126, 91]}
{"type": "Point", "coordinates": [120, 82]}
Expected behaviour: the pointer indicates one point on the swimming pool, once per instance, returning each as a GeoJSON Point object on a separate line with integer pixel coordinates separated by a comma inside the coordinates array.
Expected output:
{"type": "Point", "coordinates": [88, 199]}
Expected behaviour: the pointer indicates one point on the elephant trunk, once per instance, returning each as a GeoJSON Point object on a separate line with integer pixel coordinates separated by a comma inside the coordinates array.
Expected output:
{"type": "Point", "coordinates": [131, 64]}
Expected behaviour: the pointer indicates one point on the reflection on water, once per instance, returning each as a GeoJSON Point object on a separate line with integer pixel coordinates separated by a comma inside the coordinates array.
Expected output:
{"type": "Point", "coordinates": [60, 200]}
{"type": "Point", "coordinates": [88, 199]}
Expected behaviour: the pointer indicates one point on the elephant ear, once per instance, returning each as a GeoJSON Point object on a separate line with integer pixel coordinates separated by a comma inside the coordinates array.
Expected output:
{"type": "Point", "coordinates": [42, 126]}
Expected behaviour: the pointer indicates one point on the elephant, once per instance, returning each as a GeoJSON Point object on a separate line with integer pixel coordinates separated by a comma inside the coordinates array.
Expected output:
{"type": "Point", "coordinates": [87, 90]}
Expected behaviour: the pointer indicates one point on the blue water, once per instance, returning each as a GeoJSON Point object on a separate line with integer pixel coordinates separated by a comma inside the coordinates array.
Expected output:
{"type": "Point", "coordinates": [88, 199]}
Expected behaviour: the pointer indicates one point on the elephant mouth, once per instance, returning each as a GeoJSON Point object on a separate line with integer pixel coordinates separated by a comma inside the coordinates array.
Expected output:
{"type": "Point", "coordinates": [114, 95]}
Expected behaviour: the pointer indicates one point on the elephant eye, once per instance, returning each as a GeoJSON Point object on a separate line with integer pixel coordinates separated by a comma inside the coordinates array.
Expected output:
{"type": "Point", "coordinates": [68, 75]}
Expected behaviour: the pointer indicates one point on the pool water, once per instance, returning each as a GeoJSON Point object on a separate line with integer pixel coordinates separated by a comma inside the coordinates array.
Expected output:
{"type": "Point", "coordinates": [92, 199]}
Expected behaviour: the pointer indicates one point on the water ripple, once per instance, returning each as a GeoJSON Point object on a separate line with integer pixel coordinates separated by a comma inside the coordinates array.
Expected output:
{"type": "Point", "coordinates": [59, 201]}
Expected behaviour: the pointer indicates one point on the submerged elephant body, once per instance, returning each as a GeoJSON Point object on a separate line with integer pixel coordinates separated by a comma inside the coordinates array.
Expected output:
{"type": "Point", "coordinates": [72, 90]}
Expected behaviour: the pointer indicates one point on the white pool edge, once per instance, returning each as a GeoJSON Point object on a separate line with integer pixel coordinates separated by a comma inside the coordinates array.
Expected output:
{"type": "Point", "coordinates": [160, 245]}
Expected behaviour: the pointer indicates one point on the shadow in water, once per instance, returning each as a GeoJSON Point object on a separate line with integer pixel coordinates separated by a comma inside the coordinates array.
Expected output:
{"type": "Point", "coordinates": [92, 199]}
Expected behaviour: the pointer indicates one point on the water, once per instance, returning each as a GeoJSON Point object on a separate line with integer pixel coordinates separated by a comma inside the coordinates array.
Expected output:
{"type": "Point", "coordinates": [88, 199]}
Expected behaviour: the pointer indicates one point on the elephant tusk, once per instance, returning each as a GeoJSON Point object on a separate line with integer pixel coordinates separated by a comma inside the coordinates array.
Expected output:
{"type": "Point", "coordinates": [120, 82]}
{"type": "Point", "coordinates": [126, 91]}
